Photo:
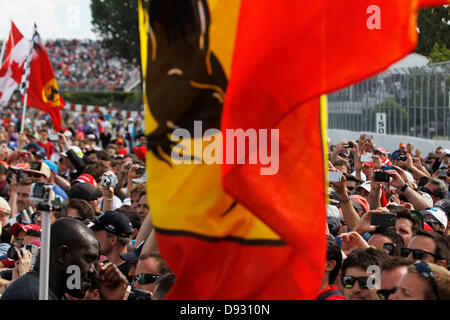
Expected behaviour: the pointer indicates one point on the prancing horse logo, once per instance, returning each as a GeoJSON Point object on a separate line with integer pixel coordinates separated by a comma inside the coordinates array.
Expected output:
{"type": "Point", "coordinates": [50, 93]}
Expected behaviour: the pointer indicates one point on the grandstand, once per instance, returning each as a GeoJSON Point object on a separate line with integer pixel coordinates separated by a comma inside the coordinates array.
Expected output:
{"type": "Point", "coordinates": [84, 65]}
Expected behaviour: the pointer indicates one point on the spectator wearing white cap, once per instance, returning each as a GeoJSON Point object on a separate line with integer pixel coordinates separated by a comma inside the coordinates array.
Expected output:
{"type": "Point", "coordinates": [436, 218]}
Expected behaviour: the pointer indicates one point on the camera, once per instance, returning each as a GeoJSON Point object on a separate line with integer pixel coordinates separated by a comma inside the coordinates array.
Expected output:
{"type": "Point", "coordinates": [12, 252]}
{"type": "Point", "coordinates": [41, 193]}
{"type": "Point", "coordinates": [381, 176]}
{"type": "Point", "coordinates": [140, 170]}
{"type": "Point", "coordinates": [402, 157]}
{"type": "Point", "coordinates": [109, 181]}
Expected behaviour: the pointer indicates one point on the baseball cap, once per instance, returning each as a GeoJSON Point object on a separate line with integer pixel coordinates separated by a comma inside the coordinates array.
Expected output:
{"type": "Point", "coordinates": [382, 150]}
{"type": "Point", "coordinates": [91, 136]}
{"type": "Point", "coordinates": [140, 152]}
{"type": "Point", "coordinates": [438, 214]}
{"type": "Point", "coordinates": [52, 165]}
{"type": "Point", "coordinates": [84, 191]}
{"type": "Point", "coordinates": [114, 222]}
{"type": "Point", "coordinates": [360, 201]}
{"type": "Point", "coordinates": [402, 145]}
{"type": "Point", "coordinates": [44, 169]}
{"type": "Point", "coordinates": [133, 256]}
{"type": "Point", "coordinates": [75, 149]}
{"type": "Point", "coordinates": [333, 219]}
{"type": "Point", "coordinates": [119, 141]}
{"type": "Point", "coordinates": [16, 227]}
{"type": "Point", "coordinates": [369, 164]}
{"type": "Point", "coordinates": [366, 186]}
{"type": "Point", "coordinates": [4, 206]}
{"type": "Point", "coordinates": [33, 145]}
{"type": "Point", "coordinates": [21, 165]}
{"type": "Point", "coordinates": [86, 178]}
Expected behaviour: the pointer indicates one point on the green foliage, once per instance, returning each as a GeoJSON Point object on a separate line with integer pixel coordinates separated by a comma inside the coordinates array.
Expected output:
{"type": "Point", "coordinates": [439, 53]}
{"type": "Point", "coordinates": [116, 22]}
{"type": "Point", "coordinates": [116, 99]}
{"type": "Point", "coordinates": [434, 28]}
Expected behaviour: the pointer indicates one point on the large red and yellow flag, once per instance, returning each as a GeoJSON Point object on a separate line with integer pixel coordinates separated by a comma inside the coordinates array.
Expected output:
{"type": "Point", "coordinates": [240, 212]}
{"type": "Point", "coordinates": [43, 93]}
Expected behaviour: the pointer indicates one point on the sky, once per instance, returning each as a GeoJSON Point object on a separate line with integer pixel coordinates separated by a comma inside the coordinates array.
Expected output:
{"type": "Point", "coordinates": [55, 19]}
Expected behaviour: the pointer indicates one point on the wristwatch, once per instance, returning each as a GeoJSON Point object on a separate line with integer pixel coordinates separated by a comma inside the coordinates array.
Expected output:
{"type": "Point", "coordinates": [403, 189]}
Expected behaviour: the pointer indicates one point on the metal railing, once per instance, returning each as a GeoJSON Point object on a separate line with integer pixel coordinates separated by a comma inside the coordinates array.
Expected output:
{"type": "Point", "coordinates": [415, 102]}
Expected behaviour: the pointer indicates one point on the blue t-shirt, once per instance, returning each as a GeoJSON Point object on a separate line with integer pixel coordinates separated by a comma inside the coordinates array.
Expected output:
{"type": "Point", "coordinates": [60, 192]}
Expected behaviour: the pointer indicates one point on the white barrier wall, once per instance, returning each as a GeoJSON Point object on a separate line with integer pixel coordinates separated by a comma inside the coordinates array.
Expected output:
{"type": "Point", "coordinates": [389, 142]}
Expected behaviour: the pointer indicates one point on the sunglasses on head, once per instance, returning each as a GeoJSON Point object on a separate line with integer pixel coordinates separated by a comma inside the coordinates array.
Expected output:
{"type": "Point", "coordinates": [147, 278]}
{"type": "Point", "coordinates": [425, 271]}
{"type": "Point", "coordinates": [417, 253]}
{"type": "Point", "coordinates": [348, 282]}
{"type": "Point", "coordinates": [384, 294]}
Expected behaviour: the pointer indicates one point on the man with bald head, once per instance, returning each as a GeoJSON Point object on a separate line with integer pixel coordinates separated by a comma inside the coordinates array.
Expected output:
{"type": "Point", "coordinates": [74, 245]}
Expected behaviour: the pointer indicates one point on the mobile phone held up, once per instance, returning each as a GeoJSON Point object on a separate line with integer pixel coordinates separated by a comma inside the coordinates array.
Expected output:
{"type": "Point", "coordinates": [366, 157]}
{"type": "Point", "coordinates": [334, 176]}
{"type": "Point", "coordinates": [383, 219]}
{"type": "Point", "coordinates": [381, 176]}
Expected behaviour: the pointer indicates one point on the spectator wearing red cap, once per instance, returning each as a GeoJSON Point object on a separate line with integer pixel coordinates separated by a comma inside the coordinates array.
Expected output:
{"type": "Point", "coordinates": [368, 168]}
{"type": "Point", "coordinates": [120, 144]}
{"type": "Point", "coordinates": [22, 236]}
{"type": "Point", "coordinates": [141, 149]}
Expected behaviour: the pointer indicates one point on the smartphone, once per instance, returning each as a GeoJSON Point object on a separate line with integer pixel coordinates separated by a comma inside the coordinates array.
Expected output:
{"type": "Point", "coordinates": [350, 144]}
{"type": "Point", "coordinates": [381, 176]}
{"type": "Point", "coordinates": [334, 176]}
{"type": "Point", "coordinates": [367, 157]}
{"type": "Point", "coordinates": [383, 219]}
{"type": "Point", "coordinates": [443, 173]}
{"type": "Point", "coordinates": [386, 168]}
{"type": "Point", "coordinates": [402, 157]}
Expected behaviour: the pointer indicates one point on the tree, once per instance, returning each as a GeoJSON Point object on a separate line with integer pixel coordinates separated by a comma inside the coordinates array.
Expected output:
{"type": "Point", "coordinates": [434, 28]}
{"type": "Point", "coordinates": [439, 53]}
{"type": "Point", "coordinates": [116, 22]}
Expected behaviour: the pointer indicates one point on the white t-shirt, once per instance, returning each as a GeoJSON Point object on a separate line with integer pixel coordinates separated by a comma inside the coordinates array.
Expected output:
{"type": "Point", "coordinates": [117, 203]}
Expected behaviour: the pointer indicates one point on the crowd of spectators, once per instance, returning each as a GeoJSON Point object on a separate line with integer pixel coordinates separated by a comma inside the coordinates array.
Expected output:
{"type": "Point", "coordinates": [85, 64]}
{"type": "Point", "coordinates": [95, 176]}
{"type": "Point", "coordinates": [387, 223]}
{"type": "Point", "coordinates": [387, 215]}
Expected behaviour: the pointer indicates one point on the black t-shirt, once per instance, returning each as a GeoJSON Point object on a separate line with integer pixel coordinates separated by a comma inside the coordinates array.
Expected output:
{"type": "Point", "coordinates": [27, 288]}
{"type": "Point", "coordinates": [125, 268]}
{"type": "Point", "coordinates": [6, 234]}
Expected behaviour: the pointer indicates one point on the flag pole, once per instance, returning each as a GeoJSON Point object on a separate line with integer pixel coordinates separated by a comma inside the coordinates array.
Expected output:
{"type": "Point", "coordinates": [24, 84]}
{"type": "Point", "coordinates": [4, 46]}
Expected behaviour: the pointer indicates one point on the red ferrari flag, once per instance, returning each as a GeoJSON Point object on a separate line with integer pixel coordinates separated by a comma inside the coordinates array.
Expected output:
{"type": "Point", "coordinates": [42, 89]}
{"type": "Point", "coordinates": [249, 223]}
{"type": "Point", "coordinates": [11, 70]}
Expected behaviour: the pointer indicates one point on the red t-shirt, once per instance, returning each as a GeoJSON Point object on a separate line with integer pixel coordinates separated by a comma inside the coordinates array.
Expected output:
{"type": "Point", "coordinates": [336, 296]}
{"type": "Point", "coordinates": [48, 147]}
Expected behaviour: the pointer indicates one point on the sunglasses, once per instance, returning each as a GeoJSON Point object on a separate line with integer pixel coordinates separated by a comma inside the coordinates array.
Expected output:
{"type": "Point", "coordinates": [384, 294]}
{"type": "Point", "coordinates": [35, 175]}
{"type": "Point", "coordinates": [390, 247]}
{"type": "Point", "coordinates": [348, 282]}
{"type": "Point", "coordinates": [350, 188]}
{"type": "Point", "coordinates": [147, 278]}
{"type": "Point", "coordinates": [425, 271]}
{"type": "Point", "coordinates": [417, 253]}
